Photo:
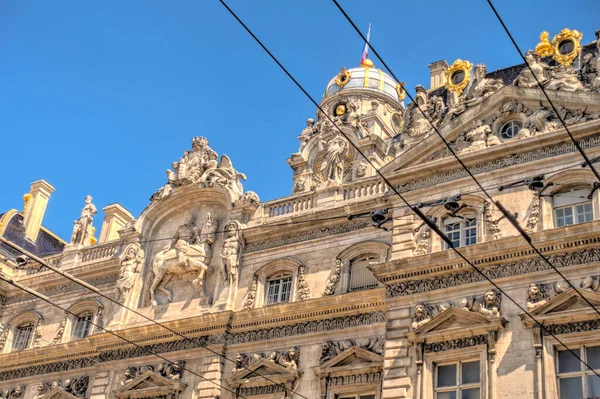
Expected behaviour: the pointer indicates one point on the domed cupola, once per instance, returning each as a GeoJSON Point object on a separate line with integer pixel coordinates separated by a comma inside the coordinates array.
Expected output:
{"type": "Point", "coordinates": [362, 80]}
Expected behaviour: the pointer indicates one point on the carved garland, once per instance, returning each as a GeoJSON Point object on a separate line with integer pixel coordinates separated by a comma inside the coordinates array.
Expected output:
{"type": "Point", "coordinates": [493, 272]}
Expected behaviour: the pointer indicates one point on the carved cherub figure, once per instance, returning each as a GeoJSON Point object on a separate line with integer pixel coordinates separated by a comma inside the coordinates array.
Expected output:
{"type": "Point", "coordinates": [535, 297]}
{"type": "Point", "coordinates": [422, 315]}
{"type": "Point", "coordinates": [490, 304]}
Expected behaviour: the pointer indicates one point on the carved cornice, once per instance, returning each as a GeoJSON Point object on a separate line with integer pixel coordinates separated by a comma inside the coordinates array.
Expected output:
{"type": "Point", "coordinates": [63, 289]}
{"type": "Point", "coordinates": [306, 236]}
{"type": "Point", "coordinates": [532, 265]}
{"type": "Point", "coordinates": [578, 326]}
{"type": "Point", "coordinates": [456, 343]}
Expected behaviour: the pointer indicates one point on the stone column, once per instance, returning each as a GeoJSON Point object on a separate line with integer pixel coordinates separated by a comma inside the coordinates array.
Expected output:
{"type": "Point", "coordinates": [40, 194]}
{"type": "Point", "coordinates": [492, 364]}
{"type": "Point", "coordinates": [403, 234]}
{"type": "Point", "coordinates": [539, 371]}
{"type": "Point", "coordinates": [396, 381]}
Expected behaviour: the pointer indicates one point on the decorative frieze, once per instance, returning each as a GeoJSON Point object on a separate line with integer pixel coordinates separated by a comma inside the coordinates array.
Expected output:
{"type": "Point", "coordinates": [264, 390]}
{"type": "Point", "coordinates": [410, 287]}
{"type": "Point", "coordinates": [456, 343]}
{"type": "Point", "coordinates": [173, 371]}
{"type": "Point", "coordinates": [355, 379]}
{"type": "Point", "coordinates": [579, 326]}
{"type": "Point", "coordinates": [48, 368]}
{"type": "Point", "coordinates": [306, 236]}
{"type": "Point", "coordinates": [331, 349]}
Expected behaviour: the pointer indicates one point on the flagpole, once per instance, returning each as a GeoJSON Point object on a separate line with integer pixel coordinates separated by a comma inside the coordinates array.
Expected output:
{"type": "Point", "coordinates": [366, 48]}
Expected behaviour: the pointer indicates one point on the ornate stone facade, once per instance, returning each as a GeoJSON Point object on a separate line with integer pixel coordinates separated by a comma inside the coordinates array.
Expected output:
{"type": "Point", "coordinates": [211, 293]}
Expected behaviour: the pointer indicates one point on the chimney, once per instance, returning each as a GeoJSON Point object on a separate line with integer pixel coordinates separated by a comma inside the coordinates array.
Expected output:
{"type": "Point", "coordinates": [436, 71]}
{"type": "Point", "coordinates": [115, 218]}
{"type": "Point", "coordinates": [34, 214]}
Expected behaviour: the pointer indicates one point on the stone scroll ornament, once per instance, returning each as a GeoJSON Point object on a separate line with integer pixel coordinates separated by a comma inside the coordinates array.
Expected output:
{"type": "Point", "coordinates": [190, 250]}
{"type": "Point", "coordinates": [82, 227]}
{"type": "Point", "coordinates": [200, 167]}
{"type": "Point", "coordinates": [131, 263]}
{"type": "Point", "coordinates": [231, 254]}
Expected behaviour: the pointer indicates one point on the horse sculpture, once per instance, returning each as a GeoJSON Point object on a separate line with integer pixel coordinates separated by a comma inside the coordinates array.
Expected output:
{"type": "Point", "coordinates": [189, 251]}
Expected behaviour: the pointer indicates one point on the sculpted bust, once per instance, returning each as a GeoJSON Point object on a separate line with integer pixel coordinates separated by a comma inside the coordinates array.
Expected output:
{"type": "Point", "coordinates": [490, 304]}
{"type": "Point", "coordinates": [535, 298]}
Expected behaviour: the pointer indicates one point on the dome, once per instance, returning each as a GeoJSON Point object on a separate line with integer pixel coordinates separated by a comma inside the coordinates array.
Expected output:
{"type": "Point", "coordinates": [364, 77]}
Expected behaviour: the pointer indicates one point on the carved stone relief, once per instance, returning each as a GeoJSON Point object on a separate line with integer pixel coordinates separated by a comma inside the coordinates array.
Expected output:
{"type": "Point", "coordinates": [17, 392]}
{"type": "Point", "coordinates": [251, 296]}
{"type": "Point", "coordinates": [422, 241]}
{"type": "Point", "coordinates": [199, 166]}
{"type": "Point", "coordinates": [61, 330]}
{"type": "Point", "coordinates": [302, 292]}
{"type": "Point", "coordinates": [423, 314]}
{"type": "Point", "coordinates": [173, 371]}
{"type": "Point", "coordinates": [189, 251]}
{"type": "Point", "coordinates": [536, 296]}
{"type": "Point", "coordinates": [561, 77]}
{"type": "Point", "coordinates": [330, 349]}
{"type": "Point", "coordinates": [533, 219]}
{"type": "Point", "coordinates": [492, 225]}
{"type": "Point", "coordinates": [288, 358]}
{"type": "Point", "coordinates": [333, 279]}
{"type": "Point", "coordinates": [131, 263]}
{"type": "Point", "coordinates": [231, 254]}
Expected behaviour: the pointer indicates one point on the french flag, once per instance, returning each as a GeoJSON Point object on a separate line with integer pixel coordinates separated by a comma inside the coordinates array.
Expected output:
{"type": "Point", "coordinates": [366, 49]}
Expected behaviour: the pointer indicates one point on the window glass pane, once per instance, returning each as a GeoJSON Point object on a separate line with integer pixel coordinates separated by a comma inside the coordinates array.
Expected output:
{"type": "Point", "coordinates": [446, 375]}
{"type": "Point", "coordinates": [446, 395]}
{"type": "Point", "coordinates": [22, 337]}
{"type": "Point", "coordinates": [593, 356]}
{"type": "Point", "coordinates": [593, 386]}
{"type": "Point", "coordinates": [286, 289]}
{"type": "Point", "coordinates": [367, 396]}
{"type": "Point", "coordinates": [570, 388]}
{"type": "Point", "coordinates": [471, 236]}
{"type": "Point", "coordinates": [584, 213]}
{"type": "Point", "coordinates": [82, 326]}
{"type": "Point", "coordinates": [273, 291]}
{"type": "Point", "coordinates": [470, 372]}
{"type": "Point", "coordinates": [567, 362]}
{"type": "Point", "coordinates": [472, 393]}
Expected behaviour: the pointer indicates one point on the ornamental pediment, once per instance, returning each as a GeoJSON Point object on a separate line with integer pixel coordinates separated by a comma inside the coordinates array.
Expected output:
{"type": "Point", "coordinates": [57, 393]}
{"type": "Point", "coordinates": [150, 384]}
{"type": "Point", "coordinates": [456, 322]}
{"type": "Point", "coordinates": [566, 307]}
{"type": "Point", "coordinates": [351, 361]}
{"type": "Point", "coordinates": [479, 127]}
{"type": "Point", "coordinates": [263, 372]}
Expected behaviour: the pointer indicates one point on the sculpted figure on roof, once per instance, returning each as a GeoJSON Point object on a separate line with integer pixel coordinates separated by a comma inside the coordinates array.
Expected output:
{"type": "Point", "coordinates": [82, 227]}
{"type": "Point", "coordinates": [200, 166]}
{"type": "Point", "coordinates": [482, 87]}
{"type": "Point", "coordinates": [562, 77]}
{"type": "Point", "coordinates": [590, 70]}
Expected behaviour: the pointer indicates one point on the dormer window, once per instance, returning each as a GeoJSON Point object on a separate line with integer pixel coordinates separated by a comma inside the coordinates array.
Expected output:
{"type": "Point", "coordinates": [572, 207]}
{"type": "Point", "coordinates": [22, 338]}
{"type": "Point", "coordinates": [279, 289]}
{"type": "Point", "coordinates": [461, 230]}
{"type": "Point", "coordinates": [510, 129]}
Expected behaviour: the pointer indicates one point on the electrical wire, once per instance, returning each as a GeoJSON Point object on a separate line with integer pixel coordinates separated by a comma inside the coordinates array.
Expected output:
{"type": "Point", "coordinates": [416, 210]}
{"type": "Point", "coordinates": [7, 280]}
{"type": "Point", "coordinates": [581, 151]}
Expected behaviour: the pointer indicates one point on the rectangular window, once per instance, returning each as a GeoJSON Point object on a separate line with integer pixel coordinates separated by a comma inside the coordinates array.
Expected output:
{"type": "Point", "coordinates": [356, 396]}
{"type": "Point", "coordinates": [575, 380]}
{"type": "Point", "coordinates": [82, 326]}
{"type": "Point", "coordinates": [460, 380]}
{"type": "Point", "coordinates": [279, 290]}
{"type": "Point", "coordinates": [462, 233]}
{"type": "Point", "coordinates": [22, 337]}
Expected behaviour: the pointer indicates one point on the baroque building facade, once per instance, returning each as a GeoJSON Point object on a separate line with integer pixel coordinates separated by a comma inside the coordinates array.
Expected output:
{"type": "Point", "coordinates": [338, 291]}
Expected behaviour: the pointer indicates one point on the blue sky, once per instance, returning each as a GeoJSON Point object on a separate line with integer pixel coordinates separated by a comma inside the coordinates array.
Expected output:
{"type": "Point", "coordinates": [100, 98]}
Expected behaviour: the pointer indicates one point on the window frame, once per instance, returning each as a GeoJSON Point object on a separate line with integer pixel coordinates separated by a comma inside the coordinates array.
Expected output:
{"type": "Point", "coordinates": [32, 318]}
{"type": "Point", "coordinates": [359, 395]}
{"type": "Point", "coordinates": [512, 123]}
{"type": "Point", "coordinates": [362, 248]}
{"type": "Point", "coordinates": [281, 279]}
{"type": "Point", "coordinates": [88, 329]}
{"type": "Point", "coordinates": [359, 262]}
{"type": "Point", "coordinates": [463, 229]}
{"type": "Point", "coordinates": [459, 386]}
{"type": "Point", "coordinates": [26, 344]}
{"type": "Point", "coordinates": [474, 353]}
{"type": "Point", "coordinates": [572, 205]}
{"type": "Point", "coordinates": [583, 372]}
{"type": "Point", "coordinates": [87, 306]}
{"type": "Point", "coordinates": [281, 266]}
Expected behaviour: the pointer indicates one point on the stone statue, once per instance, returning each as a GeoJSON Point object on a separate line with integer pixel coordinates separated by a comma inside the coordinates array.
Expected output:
{"type": "Point", "coordinates": [232, 256]}
{"type": "Point", "coordinates": [188, 251]}
{"type": "Point", "coordinates": [18, 392]}
{"type": "Point", "coordinates": [482, 87]}
{"type": "Point", "coordinates": [241, 363]}
{"type": "Point", "coordinates": [130, 373]}
{"type": "Point", "coordinates": [82, 227]}
{"type": "Point", "coordinates": [329, 350]}
{"type": "Point", "coordinates": [41, 390]}
{"type": "Point", "coordinates": [561, 77]}
{"type": "Point", "coordinates": [290, 360]}
{"type": "Point", "coordinates": [479, 138]}
{"type": "Point", "coordinates": [174, 371]}
{"type": "Point", "coordinates": [456, 105]}
{"type": "Point", "coordinates": [416, 117]}
{"type": "Point", "coordinates": [463, 304]}
{"type": "Point", "coordinates": [223, 175]}
{"type": "Point", "coordinates": [422, 315]}
{"type": "Point", "coordinates": [590, 70]}
{"type": "Point", "coordinates": [332, 167]}
{"type": "Point", "coordinates": [535, 296]}
{"type": "Point", "coordinates": [299, 185]}
{"type": "Point", "coordinates": [307, 133]}
{"type": "Point", "coordinates": [490, 304]}
{"type": "Point", "coordinates": [422, 242]}
{"type": "Point", "coordinates": [540, 120]}
{"type": "Point", "coordinates": [131, 262]}
{"type": "Point", "coordinates": [590, 283]}
{"type": "Point", "coordinates": [361, 170]}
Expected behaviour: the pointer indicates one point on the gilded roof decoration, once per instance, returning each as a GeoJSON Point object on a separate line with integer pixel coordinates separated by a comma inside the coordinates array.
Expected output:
{"type": "Point", "coordinates": [458, 76]}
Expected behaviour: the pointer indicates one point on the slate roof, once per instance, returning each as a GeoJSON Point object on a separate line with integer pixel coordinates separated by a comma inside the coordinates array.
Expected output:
{"type": "Point", "coordinates": [46, 243]}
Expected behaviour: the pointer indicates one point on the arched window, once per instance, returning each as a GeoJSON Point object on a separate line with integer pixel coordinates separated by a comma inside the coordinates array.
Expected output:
{"type": "Point", "coordinates": [81, 320]}
{"type": "Point", "coordinates": [461, 230]}
{"type": "Point", "coordinates": [355, 260]}
{"type": "Point", "coordinates": [23, 332]}
{"type": "Point", "coordinates": [572, 207]}
{"type": "Point", "coordinates": [362, 278]}
{"type": "Point", "coordinates": [278, 282]}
